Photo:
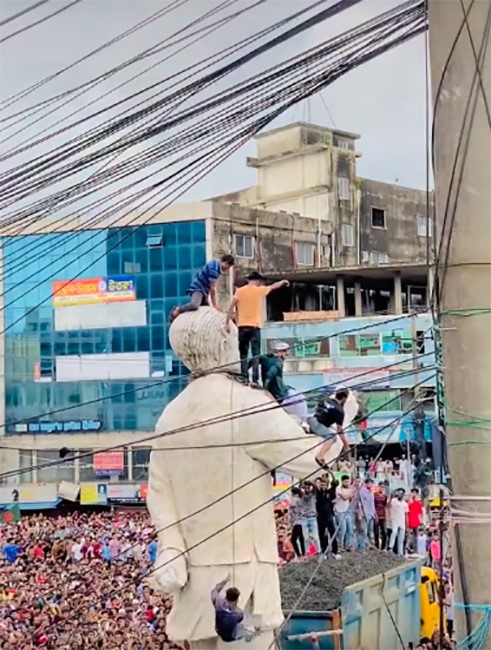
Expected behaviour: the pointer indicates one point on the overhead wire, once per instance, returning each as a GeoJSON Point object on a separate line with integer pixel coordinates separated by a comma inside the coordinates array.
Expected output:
{"type": "Point", "coordinates": [22, 12]}
{"type": "Point", "coordinates": [203, 31]}
{"type": "Point", "coordinates": [225, 367]}
{"type": "Point", "coordinates": [40, 21]}
{"type": "Point", "coordinates": [261, 123]}
{"type": "Point", "coordinates": [6, 103]}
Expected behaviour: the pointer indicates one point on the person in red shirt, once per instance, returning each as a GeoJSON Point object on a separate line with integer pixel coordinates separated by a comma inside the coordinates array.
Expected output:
{"type": "Point", "coordinates": [415, 518]}
{"type": "Point", "coordinates": [380, 530]}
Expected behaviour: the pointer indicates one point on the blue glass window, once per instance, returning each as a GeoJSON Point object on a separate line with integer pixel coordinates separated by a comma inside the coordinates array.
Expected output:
{"type": "Point", "coordinates": [161, 260]}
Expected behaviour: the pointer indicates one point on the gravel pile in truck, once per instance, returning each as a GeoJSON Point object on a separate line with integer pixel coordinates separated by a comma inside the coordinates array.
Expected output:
{"type": "Point", "coordinates": [332, 577]}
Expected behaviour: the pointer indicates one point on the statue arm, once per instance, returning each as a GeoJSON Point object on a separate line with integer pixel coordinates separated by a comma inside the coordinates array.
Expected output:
{"type": "Point", "coordinates": [170, 570]}
{"type": "Point", "coordinates": [295, 452]}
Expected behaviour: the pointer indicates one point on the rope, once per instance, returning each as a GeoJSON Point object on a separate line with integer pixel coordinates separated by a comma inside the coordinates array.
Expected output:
{"type": "Point", "coordinates": [477, 639]}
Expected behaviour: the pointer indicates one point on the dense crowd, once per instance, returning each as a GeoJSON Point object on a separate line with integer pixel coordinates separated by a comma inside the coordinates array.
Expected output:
{"type": "Point", "coordinates": [78, 582]}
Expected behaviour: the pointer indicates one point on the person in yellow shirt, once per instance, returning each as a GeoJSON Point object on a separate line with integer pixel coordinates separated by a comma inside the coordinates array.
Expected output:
{"type": "Point", "coordinates": [247, 307]}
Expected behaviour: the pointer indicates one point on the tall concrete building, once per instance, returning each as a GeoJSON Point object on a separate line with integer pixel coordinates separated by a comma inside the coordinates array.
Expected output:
{"type": "Point", "coordinates": [309, 170]}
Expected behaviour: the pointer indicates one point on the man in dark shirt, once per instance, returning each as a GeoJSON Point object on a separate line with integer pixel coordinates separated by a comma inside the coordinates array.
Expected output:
{"type": "Point", "coordinates": [229, 617]}
{"type": "Point", "coordinates": [330, 413]}
{"type": "Point", "coordinates": [380, 526]}
{"type": "Point", "coordinates": [325, 497]}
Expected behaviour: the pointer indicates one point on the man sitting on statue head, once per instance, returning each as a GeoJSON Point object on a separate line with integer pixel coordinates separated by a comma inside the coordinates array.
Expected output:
{"type": "Point", "coordinates": [204, 286]}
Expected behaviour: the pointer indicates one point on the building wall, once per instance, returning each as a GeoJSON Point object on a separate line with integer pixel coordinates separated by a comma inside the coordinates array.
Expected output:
{"type": "Point", "coordinates": [311, 171]}
{"type": "Point", "coordinates": [403, 236]}
{"type": "Point", "coordinates": [94, 368]}
{"type": "Point", "coordinates": [332, 352]}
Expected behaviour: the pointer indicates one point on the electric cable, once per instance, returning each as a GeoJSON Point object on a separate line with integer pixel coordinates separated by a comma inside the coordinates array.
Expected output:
{"type": "Point", "coordinates": [204, 31]}
{"type": "Point", "coordinates": [223, 367]}
{"type": "Point", "coordinates": [22, 12]}
{"type": "Point", "coordinates": [6, 103]}
{"type": "Point", "coordinates": [250, 55]}
{"type": "Point", "coordinates": [40, 21]}
{"type": "Point", "coordinates": [269, 406]}
{"type": "Point", "coordinates": [270, 117]}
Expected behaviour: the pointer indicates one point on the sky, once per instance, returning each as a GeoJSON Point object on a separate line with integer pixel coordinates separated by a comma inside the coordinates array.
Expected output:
{"type": "Point", "coordinates": [383, 100]}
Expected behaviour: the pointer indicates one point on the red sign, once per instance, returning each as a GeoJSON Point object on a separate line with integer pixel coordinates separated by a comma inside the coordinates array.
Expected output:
{"type": "Point", "coordinates": [109, 462]}
{"type": "Point", "coordinates": [143, 491]}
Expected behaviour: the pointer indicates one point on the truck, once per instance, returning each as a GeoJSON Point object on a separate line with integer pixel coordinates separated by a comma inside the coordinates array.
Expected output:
{"type": "Point", "coordinates": [385, 612]}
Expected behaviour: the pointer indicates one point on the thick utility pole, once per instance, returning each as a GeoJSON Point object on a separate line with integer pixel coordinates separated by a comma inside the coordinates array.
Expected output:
{"type": "Point", "coordinates": [460, 58]}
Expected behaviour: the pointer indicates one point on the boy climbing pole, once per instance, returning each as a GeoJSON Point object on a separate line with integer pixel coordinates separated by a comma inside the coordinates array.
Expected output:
{"type": "Point", "coordinates": [247, 306]}
{"type": "Point", "coordinates": [203, 288]}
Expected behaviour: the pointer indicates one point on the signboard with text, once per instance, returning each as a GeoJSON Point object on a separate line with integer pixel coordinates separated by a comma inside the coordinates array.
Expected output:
{"type": "Point", "coordinates": [70, 426]}
{"type": "Point", "coordinates": [109, 463]}
{"type": "Point", "coordinates": [89, 291]}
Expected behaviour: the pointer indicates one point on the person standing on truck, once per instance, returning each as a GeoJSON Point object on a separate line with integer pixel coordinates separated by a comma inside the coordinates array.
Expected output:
{"type": "Point", "coordinates": [247, 306]}
{"type": "Point", "coordinates": [380, 524]}
{"type": "Point", "coordinates": [325, 497]}
{"type": "Point", "coordinates": [344, 520]}
{"type": "Point", "coordinates": [398, 510]}
{"type": "Point", "coordinates": [309, 513]}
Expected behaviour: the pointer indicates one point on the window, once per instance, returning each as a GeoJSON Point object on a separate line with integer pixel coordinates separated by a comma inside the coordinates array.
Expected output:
{"type": "Point", "coordinates": [378, 218]}
{"type": "Point", "coordinates": [425, 226]}
{"type": "Point", "coordinates": [26, 463]}
{"type": "Point", "coordinates": [154, 241]}
{"type": "Point", "coordinates": [343, 188]}
{"type": "Point", "coordinates": [244, 246]}
{"type": "Point", "coordinates": [305, 253]}
{"type": "Point", "coordinates": [51, 470]}
{"type": "Point", "coordinates": [343, 144]}
{"type": "Point", "coordinates": [132, 267]}
{"type": "Point", "coordinates": [365, 257]}
{"type": "Point", "coordinates": [140, 460]}
{"type": "Point", "coordinates": [379, 258]}
{"type": "Point", "coordinates": [347, 235]}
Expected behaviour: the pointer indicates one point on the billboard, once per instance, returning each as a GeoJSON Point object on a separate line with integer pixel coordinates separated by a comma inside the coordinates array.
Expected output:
{"type": "Point", "coordinates": [109, 463]}
{"type": "Point", "coordinates": [93, 494]}
{"type": "Point", "coordinates": [89, 291]}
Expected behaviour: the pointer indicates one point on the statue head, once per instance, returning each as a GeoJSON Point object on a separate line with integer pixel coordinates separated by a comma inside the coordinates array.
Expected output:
{"type": "Point", "coordinates": [199, 340]}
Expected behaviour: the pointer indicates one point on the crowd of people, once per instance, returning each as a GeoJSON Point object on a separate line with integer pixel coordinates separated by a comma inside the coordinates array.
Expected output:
{"type": "Point", "coordinates": [78, 582]}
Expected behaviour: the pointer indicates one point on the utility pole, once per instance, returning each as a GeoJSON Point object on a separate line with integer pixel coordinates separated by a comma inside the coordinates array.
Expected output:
{"type": "Point", "coordinates": [459, 31]}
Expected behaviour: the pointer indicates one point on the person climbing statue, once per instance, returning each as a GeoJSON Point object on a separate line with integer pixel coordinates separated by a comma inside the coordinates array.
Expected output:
{"type": "Point", "coordinates": [229, 618]}
{"type": "Point", "coordinates": [272, 370]}
{"type": "Point", "coordinates": [203, 288]}
{"type": "Point", "coordinates": [328, 420]}
{"type": "Point", "coordinates": [247, 307]}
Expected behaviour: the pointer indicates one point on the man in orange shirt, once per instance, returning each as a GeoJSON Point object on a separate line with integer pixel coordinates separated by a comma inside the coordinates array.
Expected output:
{"type": "Point", "coordinates": [247, 306]}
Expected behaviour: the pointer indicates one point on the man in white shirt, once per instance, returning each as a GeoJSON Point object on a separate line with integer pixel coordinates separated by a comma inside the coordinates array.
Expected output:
{"type": "Point", "coordinates": [344, 517]}
{"type": "Point", "coordinates": [398, 511]}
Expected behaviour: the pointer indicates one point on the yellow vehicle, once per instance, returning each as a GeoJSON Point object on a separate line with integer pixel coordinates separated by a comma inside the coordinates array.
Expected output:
{"type": "Point", "coordinates": [429, 601]}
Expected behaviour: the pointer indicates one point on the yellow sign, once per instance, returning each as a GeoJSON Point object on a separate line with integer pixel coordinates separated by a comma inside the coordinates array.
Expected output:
{"type": "Point", "coordinates": [93, 494]}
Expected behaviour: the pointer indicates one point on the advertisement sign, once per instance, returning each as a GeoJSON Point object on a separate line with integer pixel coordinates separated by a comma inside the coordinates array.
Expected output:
{"type": "Point", "coordinates": [117, 492]}
{"type": "Point", "coordinates": [29, 493]}
{"type": "Point", "coordinates": [109, 463]}
{"type": "Point", "coordinates": [93, 494]}
{"type": "Point", "coordinates": [72, 426]}
{"type": "Point", "coordinates": [89, 291]}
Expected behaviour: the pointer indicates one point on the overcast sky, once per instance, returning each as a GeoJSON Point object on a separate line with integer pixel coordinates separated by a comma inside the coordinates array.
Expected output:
{"type": "Point", "coordinates": [383, 101]}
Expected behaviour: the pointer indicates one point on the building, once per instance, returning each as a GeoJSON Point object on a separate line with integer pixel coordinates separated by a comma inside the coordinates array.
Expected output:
{"type": "Point", "coordinates": [87, 363]}
{"type": "Point", "coordinates": [310, 170]}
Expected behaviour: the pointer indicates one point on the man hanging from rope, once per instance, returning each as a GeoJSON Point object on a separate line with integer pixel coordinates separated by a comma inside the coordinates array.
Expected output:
{"type": "Point", "coordinates": [229, 618]}
{"type": "Point", "coordinates": [328, 421]}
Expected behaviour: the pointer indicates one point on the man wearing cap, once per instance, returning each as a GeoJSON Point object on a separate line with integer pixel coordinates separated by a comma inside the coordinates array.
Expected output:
{"type": "Point", "coordinates": [272, 370]}
{"type": "Point", "coordinates": [247, 306]}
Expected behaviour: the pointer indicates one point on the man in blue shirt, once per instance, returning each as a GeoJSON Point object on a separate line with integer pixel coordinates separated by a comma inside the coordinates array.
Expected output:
{"type": "Point", "coordinates": [11, 551]}
{"type": "Point", "coordinates": [229, 618]}
{"type": "Point", "coordinates": [204, 285]}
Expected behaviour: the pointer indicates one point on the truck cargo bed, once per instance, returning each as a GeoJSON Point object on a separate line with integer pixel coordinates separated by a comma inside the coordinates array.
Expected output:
{"type": "Point", "coordinates": [363, 612]}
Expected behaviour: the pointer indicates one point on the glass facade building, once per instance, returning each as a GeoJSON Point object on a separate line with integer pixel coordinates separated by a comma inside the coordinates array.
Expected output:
{"type": "Point", "coordinates": [94, 356]}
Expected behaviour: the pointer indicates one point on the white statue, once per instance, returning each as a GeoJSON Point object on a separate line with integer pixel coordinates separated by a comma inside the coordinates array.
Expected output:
{"type": "Point", "coordinates": [189, 488]}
